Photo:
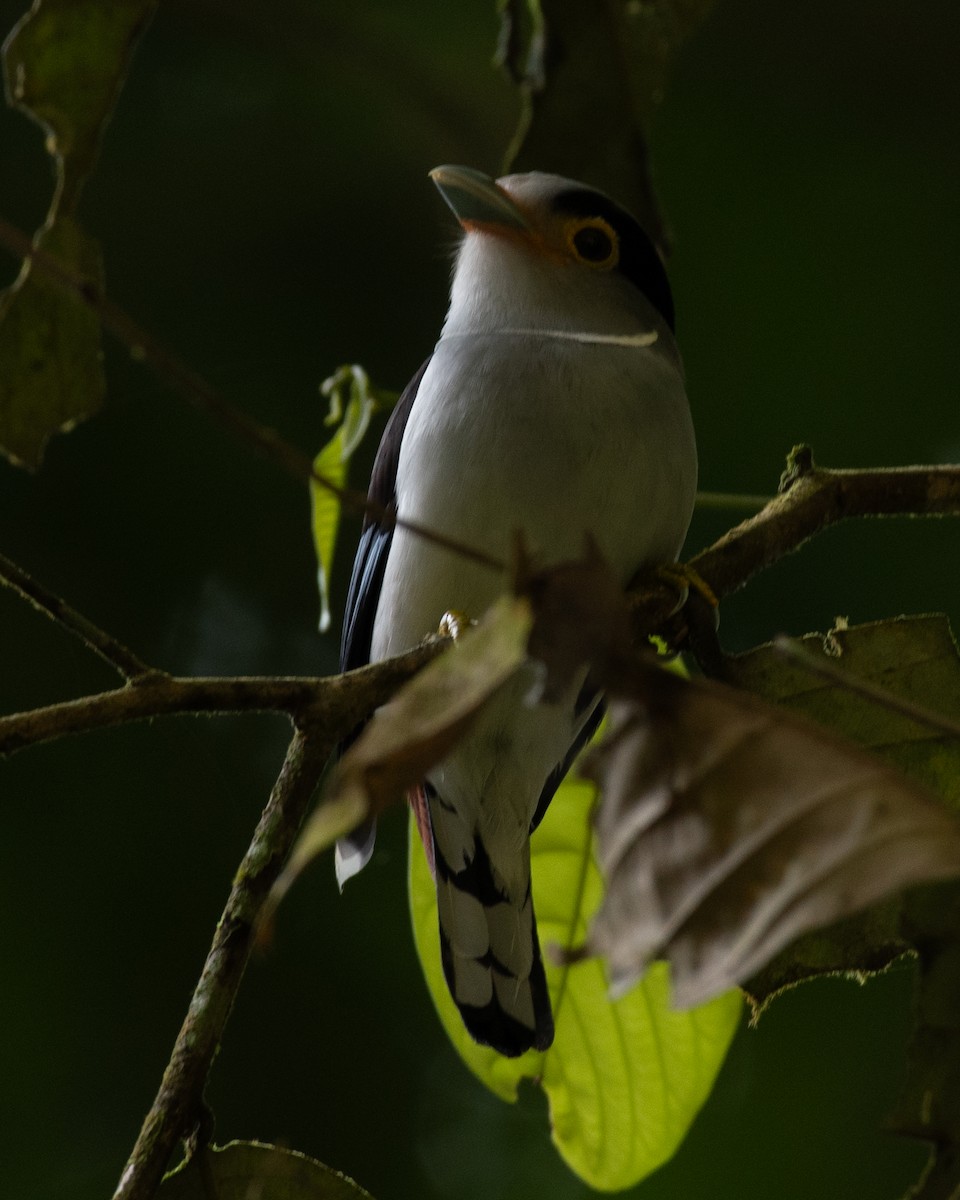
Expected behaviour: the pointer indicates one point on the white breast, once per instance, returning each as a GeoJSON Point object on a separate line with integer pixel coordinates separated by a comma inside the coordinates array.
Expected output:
{"type": "Point", "coordinates": [541, 435]}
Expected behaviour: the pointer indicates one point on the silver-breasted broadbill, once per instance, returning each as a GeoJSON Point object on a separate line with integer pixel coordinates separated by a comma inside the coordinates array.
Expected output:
{"type": "Point", "coordinates": [553, 404]}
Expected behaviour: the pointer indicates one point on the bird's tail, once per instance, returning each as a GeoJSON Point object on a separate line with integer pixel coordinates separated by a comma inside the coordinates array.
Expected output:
{"type": "Point", "coordinates": [489, 945]}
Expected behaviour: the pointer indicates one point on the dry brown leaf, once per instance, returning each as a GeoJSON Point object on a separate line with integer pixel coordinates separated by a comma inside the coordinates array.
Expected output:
{"type": "Point", "coordinates": [424, 720]}
{"type": "Point", "coordinates": [581, 616]}
{"type": "Point", "coordinates": [419, 726]}
{"type": "Point", "coordinates": [728, 827]}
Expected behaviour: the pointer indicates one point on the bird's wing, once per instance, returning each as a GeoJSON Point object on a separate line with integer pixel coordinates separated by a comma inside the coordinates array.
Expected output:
{"type": "Point", "coordinates": [363, 594]}
{"type": "Point", "coordinates": [589, 710]}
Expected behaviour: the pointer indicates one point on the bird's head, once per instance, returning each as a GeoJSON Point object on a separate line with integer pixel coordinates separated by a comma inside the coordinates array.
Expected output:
{"type": "Point", "coordinates": [541, 251]}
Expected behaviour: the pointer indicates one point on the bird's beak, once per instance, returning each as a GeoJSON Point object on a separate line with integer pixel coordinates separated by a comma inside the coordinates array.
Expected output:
{"type": "Point", "coordinates": [478, 200]}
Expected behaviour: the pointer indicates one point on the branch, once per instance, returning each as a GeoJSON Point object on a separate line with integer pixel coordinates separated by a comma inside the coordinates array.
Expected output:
{"type": "Point", "coordinates": [178, 1106]}
{"type": "Point", "coordinates": [338, 702]}
{"type": "Point", "coordinates": [813, 498]}
{"type": "Point", "coordinates": [102, 644]}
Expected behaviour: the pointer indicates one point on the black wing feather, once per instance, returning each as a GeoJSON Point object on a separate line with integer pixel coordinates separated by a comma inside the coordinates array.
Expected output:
{"type": "Point", "coordinates": [370, 564]}
{"type": "Point", "coordinates": [587, 696]}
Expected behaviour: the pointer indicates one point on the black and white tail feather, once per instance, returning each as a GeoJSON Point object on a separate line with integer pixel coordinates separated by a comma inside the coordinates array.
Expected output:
{"type": "Point", "coordinates": [488, 939]}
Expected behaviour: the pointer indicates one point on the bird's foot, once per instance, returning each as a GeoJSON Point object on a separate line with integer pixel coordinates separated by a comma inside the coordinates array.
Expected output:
{"type": "Point", "coordinates": [683, 577]}
{"type": "Point", "coordinates": [453, 623]}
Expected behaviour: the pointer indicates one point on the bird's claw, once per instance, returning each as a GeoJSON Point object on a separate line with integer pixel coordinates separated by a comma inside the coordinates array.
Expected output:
{"type": "Point", "coordinates": [683, 577]}
{"type": "Point", "coordinates": [453, 623]}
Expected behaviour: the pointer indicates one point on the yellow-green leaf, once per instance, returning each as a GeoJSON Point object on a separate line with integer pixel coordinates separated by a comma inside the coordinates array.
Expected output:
{"type": "Point", "coordinates": [330, 464]}
{"type": "Point", "coordinates": [624, 1079]}
{"type": "Point", "coordinates": [353, 401]}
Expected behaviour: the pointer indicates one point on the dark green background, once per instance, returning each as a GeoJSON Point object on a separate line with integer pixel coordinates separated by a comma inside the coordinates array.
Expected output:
{"type": "Point", "coordinates": [264, 208]}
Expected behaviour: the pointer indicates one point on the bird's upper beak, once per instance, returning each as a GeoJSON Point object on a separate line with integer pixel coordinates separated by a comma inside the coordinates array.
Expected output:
{"type": "Point", "coordinates": [478, 200]}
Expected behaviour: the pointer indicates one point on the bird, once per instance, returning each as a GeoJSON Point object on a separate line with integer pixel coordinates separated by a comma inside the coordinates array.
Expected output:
{"type": "Point", "coordinates": [553, 404]}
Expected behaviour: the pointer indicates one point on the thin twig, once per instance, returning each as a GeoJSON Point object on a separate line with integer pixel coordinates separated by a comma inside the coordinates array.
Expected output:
{"type": "Point", "coordinates": [176, 1109]}
{"type": "Point", "coordinates": [143, 346]}
{"type": "Point", "coordinates": [339, 702]}
{"type": "Point", "coordinates": [102, 644]}
{"type": "Point", "coordinates": [725, 501]}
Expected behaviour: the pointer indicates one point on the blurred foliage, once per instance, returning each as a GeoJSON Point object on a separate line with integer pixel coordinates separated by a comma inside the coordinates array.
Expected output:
{"type": "Point", "coordinates": [262, 203]}
{"type": "Point", "coordinates": [591, 78]}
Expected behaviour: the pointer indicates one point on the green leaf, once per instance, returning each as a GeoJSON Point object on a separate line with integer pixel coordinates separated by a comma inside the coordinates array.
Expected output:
{"type": "Point", "coordinates": [243, 1170]}
{"type": "Point", "coordinates": [330, 464]}
{"type": "Point", "coordinates": [64, 64]}
{"type": "Point", "coordinates": [51, 375]}
{"type": "Point", "coordinates": [353, 402]}
{"type": "Point", "coordinates": [914, 659]}
{"type": "Point", "coordinates": [624, 1079]}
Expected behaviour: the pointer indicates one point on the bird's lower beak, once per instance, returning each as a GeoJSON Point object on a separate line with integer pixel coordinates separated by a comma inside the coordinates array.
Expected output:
{"type": "Point", "coordinates": [476, 199]}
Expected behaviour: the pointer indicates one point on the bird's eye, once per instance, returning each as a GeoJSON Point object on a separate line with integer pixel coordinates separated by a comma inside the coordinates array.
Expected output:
{"type": "Point", "coordinates": [594, 242]}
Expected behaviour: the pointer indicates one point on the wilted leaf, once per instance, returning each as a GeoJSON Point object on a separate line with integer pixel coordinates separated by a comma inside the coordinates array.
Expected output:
{"type": "Point", "coordinates": [64, 65]}
{"type": "Point", "coordinates": [254, 1171]}
{"type": "Point", "coordinates": [624, 1079]}
{"type": "Point", "coordinates": [581, 616]}
{"type": "Point", "coordinates": [51, 375]}
{"type": "Point", "coordinates": [728, 828]}
{"type": "Point", "coordinates": [353, 401]}
{"type": "Point", "coordinates": [406, 737]}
